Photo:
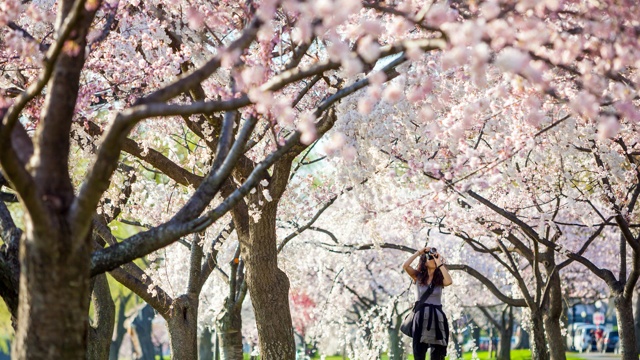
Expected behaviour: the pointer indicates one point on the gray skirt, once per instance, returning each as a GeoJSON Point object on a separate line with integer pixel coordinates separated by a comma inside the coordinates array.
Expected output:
{"type": "Point", "coordinates": [429, 336]}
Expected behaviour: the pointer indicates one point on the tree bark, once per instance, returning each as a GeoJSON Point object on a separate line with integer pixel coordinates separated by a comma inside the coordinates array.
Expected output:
{"type": "Point", "coordinates": [269, 288]}
{"type": "Point", "coordinates": [506, 332]}
{"type": "Point", "coordinates": [626, 329]}
{"type": "Point", "coordinates": [229, 332]}
{"type": "Point", "coordinates": [538, 344]}
{"type": "Point", "coordinates": [55, 268]}
{"type": "Point", "coordinates": [637, 317]}
{"type": "Point", "coordinates": [205, 345]}
{"type": "Point", "coordinates": [54, 295]}
{"type": "Point", "coordinates": [396, 347]}
{"type": "Point", "coordinates": [120, 330]}
{"type": "Point", "coordinates": [183, 328]}
{"type": "Point", "coordinates": [552, 309]}
{"type": "Point", "coordinates": [102, 328]}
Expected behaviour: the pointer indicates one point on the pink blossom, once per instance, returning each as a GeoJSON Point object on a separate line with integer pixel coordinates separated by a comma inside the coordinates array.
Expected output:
{"type": "Point", "coordinates": [490, 9]}
{"type": "Point", "coordinates": [338, 50]}
{"type": "Point", "coordinates": [71, 48]}
{"type": "Point", "coordinates": [400, 26]}
{"type": "Point", "coordinates": [392, 93]}
{"type": "Point", "coordinates": [455, 57]}
{"type": "Point", "coordinates": [512, 60]}
{"type": "Point", "coordinates": [586, 105]}
{"type": "Point", "coordinates": [349, 154]}
{"type": "Point", "coordinates": [608, 127]}
{"type": "Point", "coordinates": [377, 78]}
{"type": "Point", "coordinates": [302, 33]}
{"type": "Point", "coordinates": [438, 15]}
{"type": "Point", "coordinates": [371, 27]}
{"type": "Point", "coordinates": [335, 143]}
{"type": "Point", "coordinates": [416, 94]}
{"type": "Point", "coordinates": [352, 66]}
{"type": "Point", "coordinates": [9, 10]}
{"type": "Point", "coordinates": [92, 5]}
{"type": "Point", "coordinates": [323, 8]}
{"type": "Point", "coordinates": [369, 49]}
{"type": "Point", "coordinates": [307, 128]}
{"type": "Point", "coordinates": [229, 58]}
{"type": "Point", "coordinates": [535, 118]}
{"type": "Point", "coordinates": [365, 105]}
{"type": "Point", "coordinates": [427, 114]}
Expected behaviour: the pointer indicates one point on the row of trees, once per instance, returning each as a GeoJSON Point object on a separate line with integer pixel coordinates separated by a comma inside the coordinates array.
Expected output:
{"type": "Point", "coordinates": [510, 126]}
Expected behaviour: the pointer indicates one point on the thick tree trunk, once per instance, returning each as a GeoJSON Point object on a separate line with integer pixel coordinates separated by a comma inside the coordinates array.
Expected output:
{"type": "Point", "coordinates": [101, 330]}
{"type": "Point", "coordinates": [538, 341]}
{"type": "Point", "coordinates": [55, 268]}
{"type": "Point", "coordinates": [54, 296]}
{"type": "Point", "coordinates": [205, 345]}
{"type": "Point", "coordinates": [626, 329]}
{"type": "Point", "coordinates": [506, 332]}
{"type": "Point", "coordinates": [269, 289]}
{"type": "Point", "coordinates": [396, 347]}
{"type": "Point", "coordinates": [229, 331]}
{"type": "Point", "coordinates": [552, 313]}
{"type": "Point", "coordinates": [183, 328]}
{"type": "Point", "coordinates": [120, 330]}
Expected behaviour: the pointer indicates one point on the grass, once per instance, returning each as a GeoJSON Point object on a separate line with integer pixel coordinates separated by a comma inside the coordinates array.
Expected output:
{"type": "Point", "coordinates": [482, 355]}
{"type": "Point", "coordinates": [524, 354]}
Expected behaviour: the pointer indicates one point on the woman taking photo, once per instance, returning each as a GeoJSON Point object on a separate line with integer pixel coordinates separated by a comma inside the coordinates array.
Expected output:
{"type": "Point", "coordinates": [430, 325]}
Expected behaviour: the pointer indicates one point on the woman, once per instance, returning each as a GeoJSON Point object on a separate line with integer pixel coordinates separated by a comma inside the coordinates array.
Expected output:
{"type": "Point", "coordinates": [430, 325]}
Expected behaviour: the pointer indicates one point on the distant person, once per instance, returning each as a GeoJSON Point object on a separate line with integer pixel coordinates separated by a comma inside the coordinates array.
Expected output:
{"type": "Point", "coordinates": [430, 325]}
{"type": "Point", "coordinates": [599, 338]}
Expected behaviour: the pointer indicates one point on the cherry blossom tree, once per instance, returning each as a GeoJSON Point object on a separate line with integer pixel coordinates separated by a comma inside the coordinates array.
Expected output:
{"type": "Point", "coordinates": [96, 46]}
{"type": "Point", "coordinates": [497, 94]}
{"type": "Point", "coordinates": [249, 85]}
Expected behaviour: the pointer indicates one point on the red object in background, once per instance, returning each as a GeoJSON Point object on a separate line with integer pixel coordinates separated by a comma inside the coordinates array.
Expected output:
{"type": "Point", "coordinates": [302, 306]}
{"type": "Point", "coordinates": [599, 333]}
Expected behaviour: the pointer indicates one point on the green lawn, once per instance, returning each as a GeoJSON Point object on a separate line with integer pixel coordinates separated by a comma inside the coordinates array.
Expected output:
{"type": "Point", "coordinates": [516, 355]}
{"type": "Point", "coordinates": [482, 355]}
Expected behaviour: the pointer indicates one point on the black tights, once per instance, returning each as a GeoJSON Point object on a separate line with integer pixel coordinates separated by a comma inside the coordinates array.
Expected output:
{"type": "Point", "coordinates": [438, 352]}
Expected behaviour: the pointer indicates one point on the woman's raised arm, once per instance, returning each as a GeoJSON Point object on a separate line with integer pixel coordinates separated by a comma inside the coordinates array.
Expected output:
{"type": "Point", "coordinates": [407, 264]}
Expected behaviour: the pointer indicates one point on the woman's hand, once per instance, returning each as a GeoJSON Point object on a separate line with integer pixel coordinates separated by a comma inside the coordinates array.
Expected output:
{"type": "Point", "coordinates": [439, 259]}
{"type": "Point", "coordinates": [445, 273]}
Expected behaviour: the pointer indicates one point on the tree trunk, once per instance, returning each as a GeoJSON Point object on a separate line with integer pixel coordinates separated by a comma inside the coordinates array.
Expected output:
{"type": "Point", "coordinates": [120, 331]}
{"type": "Point", "coordinates": [538, 341]}
{"type": "Point", "coordinates": [140, 331]}
{"type": "Point", "coordinates": [229, 331]}
{"type": "Point", "coordinates": [626, 329]}
{"type": "Point", "coordinates": [506, 332]}
{"type": "Point", "coordinates": [205, 345]}
{"type": "Point", "coordinates": [269, 288]}
{"type": "Point", "coordinates": [637, 318]}
{"type": "Point", "coordinates": [552, 310]}
{"type": "Point", "coordinates": [183, 328]}
{"type": "Point", "coordinates": [54, 295]}
{"type": "Point", "coordinates": [101, 330]}
{"type": "Point", "coordinates": [55, 268]}
{"type": "Point", "coordinates": [456, 344]}
{"type": "Point", "coordinates": [396, 347]}
{"type": "Point", "coordinates": [523, 339]}
{"type": "Point", "coordinates": [475, 333]}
